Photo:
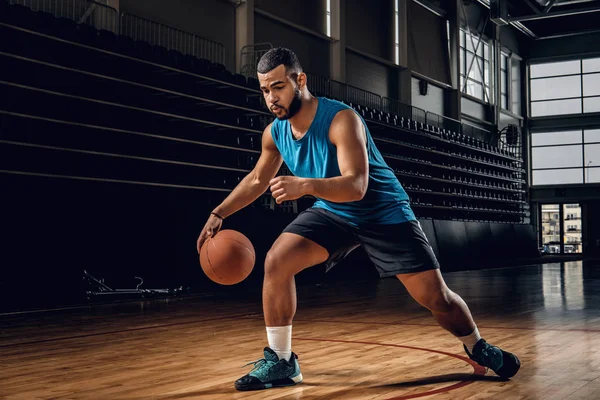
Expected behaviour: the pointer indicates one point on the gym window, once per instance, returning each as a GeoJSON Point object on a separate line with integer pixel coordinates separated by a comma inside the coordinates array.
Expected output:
{"type": "Point", "coordinates": [475, 66]}
{"type": "Point", "coordinates": [565, 157]}
{"type": "Point", "coordinates": [566, 87]}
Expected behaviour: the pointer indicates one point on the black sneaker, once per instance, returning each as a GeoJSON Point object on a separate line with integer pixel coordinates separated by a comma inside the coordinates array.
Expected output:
{"type": "Point", "coordinates": [271, 372]}
{"type": "Point", "coordinates": [503, 363]}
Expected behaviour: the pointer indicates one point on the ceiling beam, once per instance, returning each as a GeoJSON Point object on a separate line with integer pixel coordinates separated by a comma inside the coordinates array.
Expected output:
{"type": "Point", "coordinates": [555, 14]}
{"type": "Point", "coordinates": [569, 34]}
{"type": "Point", "coordinates": [533, 6]}
{"type": "Point", "coordinates": [436, 10]}
{"type": "Point", "coordinates": [571, 2]}
{"type": "Point", "coordinates": [523, 29]}
{"type": "Point", "coordinates": [550, 5]}
{"type": "Point", "coordinates": [517, 25]}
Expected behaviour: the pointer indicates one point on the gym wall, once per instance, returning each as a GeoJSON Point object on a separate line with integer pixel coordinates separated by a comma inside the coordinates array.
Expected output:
{"type": "Point", "coordinates": [211, 19]}
{"type": "Point", "coordinates": [367, 74]}
{"type": "Point", "coordinates": [307, 13]}
{"type": "Point", "coordinates": [369, 27]}
{"type": "Point", "coordinates": [566, 47]}
{"type": "Point", "coordinates": [370, 47]}
{"type": "Point", "coordinates": [474, 109]}
{"type": "Point", "coordinates": [312, 51]}
{"type": "Point", "coordinates": [311, 48]}
{"type": "Point", "coordinates": [433, 101]}
{"type": "Point", "coordinates": [591, 227]}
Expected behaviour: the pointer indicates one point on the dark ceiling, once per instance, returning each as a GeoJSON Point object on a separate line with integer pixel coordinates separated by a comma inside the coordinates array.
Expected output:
{"type": "Point", "coordinates": [551, 18]}
{"type": "Point", "coordinates": [538, 19]}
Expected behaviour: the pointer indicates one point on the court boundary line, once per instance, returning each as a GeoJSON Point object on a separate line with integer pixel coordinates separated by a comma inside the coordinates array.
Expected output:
{"type": "Point", "coordinates": [478, 370]}
{"type": "Point", "coordinates": [401, 323]}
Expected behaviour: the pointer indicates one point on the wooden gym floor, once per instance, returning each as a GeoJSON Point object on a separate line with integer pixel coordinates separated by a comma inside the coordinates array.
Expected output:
{"type": "Point", "coordinates": [367, 340]}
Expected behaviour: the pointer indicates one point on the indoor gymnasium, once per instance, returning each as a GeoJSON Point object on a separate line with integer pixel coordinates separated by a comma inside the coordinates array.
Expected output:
{"type": "Point", "coordinates": [316, 199]}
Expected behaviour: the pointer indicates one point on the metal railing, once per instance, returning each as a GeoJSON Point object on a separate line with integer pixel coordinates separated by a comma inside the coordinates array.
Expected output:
{"type": "Point", "coordinates": [318, 85]}
{"type": "Point", "coordinates": [138, 28]}
{"type": "Point", "coordinates": [250, 56]}
{"type": "Point", "coordinates": [343, 92]}
{"type": "Point", "coordinates": [363, 97]}
{"type": "Point", "coordinates": [102, 16]}
{"type": "Point", "coordinates": [476, 132]}
{"type": "Point", "coordinates": [93, 13]}
{"type": "Point", "coordinates": [350, 94]}
{"type": "Point", "coordinates": [439, 121]}
{"type": "Point", "coordinates": [419, 115]}
{"type": "Point", "coordinates": [398, 108]}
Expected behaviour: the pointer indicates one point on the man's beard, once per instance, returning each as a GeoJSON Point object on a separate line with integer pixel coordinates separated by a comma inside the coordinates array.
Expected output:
{"type": "Point", "coordinates": [294, 107]}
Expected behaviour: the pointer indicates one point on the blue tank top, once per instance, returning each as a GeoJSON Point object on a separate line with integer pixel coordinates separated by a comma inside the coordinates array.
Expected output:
{"type": "Point", "coordinates": [314, 156]}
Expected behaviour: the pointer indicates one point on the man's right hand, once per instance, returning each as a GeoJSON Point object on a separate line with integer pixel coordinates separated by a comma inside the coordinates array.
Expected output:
{"type": "Point", "coordinates": [212, 226]}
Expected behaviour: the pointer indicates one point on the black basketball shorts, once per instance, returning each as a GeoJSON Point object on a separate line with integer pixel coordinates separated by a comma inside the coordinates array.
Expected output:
{"type": "Point", "coordinates": [393, 248]}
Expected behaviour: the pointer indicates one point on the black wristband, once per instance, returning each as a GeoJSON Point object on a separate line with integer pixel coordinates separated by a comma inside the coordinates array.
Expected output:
{"type": "Point", "coordinates": [217, 215]}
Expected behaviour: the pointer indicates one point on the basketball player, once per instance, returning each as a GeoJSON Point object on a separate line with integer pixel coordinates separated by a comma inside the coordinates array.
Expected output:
{"type": "Point", "coordinates": [328, 148]}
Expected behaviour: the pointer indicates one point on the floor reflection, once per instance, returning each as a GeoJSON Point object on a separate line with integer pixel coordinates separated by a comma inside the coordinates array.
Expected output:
{"type": "Point", "coordinates": [563, 286]}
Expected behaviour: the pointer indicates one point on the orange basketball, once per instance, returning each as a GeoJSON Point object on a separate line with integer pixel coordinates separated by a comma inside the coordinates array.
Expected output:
{"type": "Point", "coordinates": [228, 257]}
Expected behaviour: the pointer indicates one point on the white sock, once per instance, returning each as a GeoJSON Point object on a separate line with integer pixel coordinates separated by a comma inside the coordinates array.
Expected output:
{"type": "Point", "coordinates": [280, 340]}
{"type": "Point", "coordinates": [471, 340]}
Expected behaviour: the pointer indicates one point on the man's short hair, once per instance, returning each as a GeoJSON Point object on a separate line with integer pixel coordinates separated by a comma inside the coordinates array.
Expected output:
{"type": "Point", "coordinates": [276, 57]}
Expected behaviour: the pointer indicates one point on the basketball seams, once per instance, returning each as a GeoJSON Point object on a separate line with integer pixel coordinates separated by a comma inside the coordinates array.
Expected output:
{"type": "Point", "coordinates": [234, 250]}
{"type": "Point", "coordinates": [209, 263]}
{"type": "Point", "coordinates": [243, 245]}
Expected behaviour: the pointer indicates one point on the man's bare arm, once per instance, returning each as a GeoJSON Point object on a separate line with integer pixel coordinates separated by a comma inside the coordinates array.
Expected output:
{"type": "Point", "coordinates": [348, 135]}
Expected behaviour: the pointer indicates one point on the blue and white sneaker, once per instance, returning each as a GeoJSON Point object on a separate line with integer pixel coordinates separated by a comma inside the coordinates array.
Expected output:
{"type": "Point", "coordinates": [270, 372]}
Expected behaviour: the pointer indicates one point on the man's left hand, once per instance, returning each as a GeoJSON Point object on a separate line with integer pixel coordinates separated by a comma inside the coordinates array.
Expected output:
{"type": "Point", "coordinates": [286, 188]}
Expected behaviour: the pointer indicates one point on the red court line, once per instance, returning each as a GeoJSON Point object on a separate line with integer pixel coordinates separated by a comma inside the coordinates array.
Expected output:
{"type": "Point", "coordinates": [342, 322]}
{"type": "Point", "coordinates": [478, 370]}
{"type": "Point", "coordinates": [434, 325]}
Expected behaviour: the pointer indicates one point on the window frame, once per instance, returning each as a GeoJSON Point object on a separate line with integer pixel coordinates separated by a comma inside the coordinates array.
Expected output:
{"type": "Point", "coordinates": [507, 73]}
{"type": "Point", "coordinates": [487, 82]}
{"type": "Point", "coordinates": [582, 98]}
{"type": "Point", "coordinates": [583, 142]}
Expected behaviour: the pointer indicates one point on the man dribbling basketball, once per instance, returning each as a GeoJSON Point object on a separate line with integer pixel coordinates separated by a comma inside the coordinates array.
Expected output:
{"type": "Point", "coordinates": [328, 148]}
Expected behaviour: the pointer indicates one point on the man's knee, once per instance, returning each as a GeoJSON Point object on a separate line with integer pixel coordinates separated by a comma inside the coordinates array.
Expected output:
{"type": "Point", "coordinates": [440, 301]}
{"type": "Point", "coordinates": [273, 263]}
{"type": "Point", "coordinates": [292, 253]}
{"type": "Point", "coordinates": [279, 263]}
